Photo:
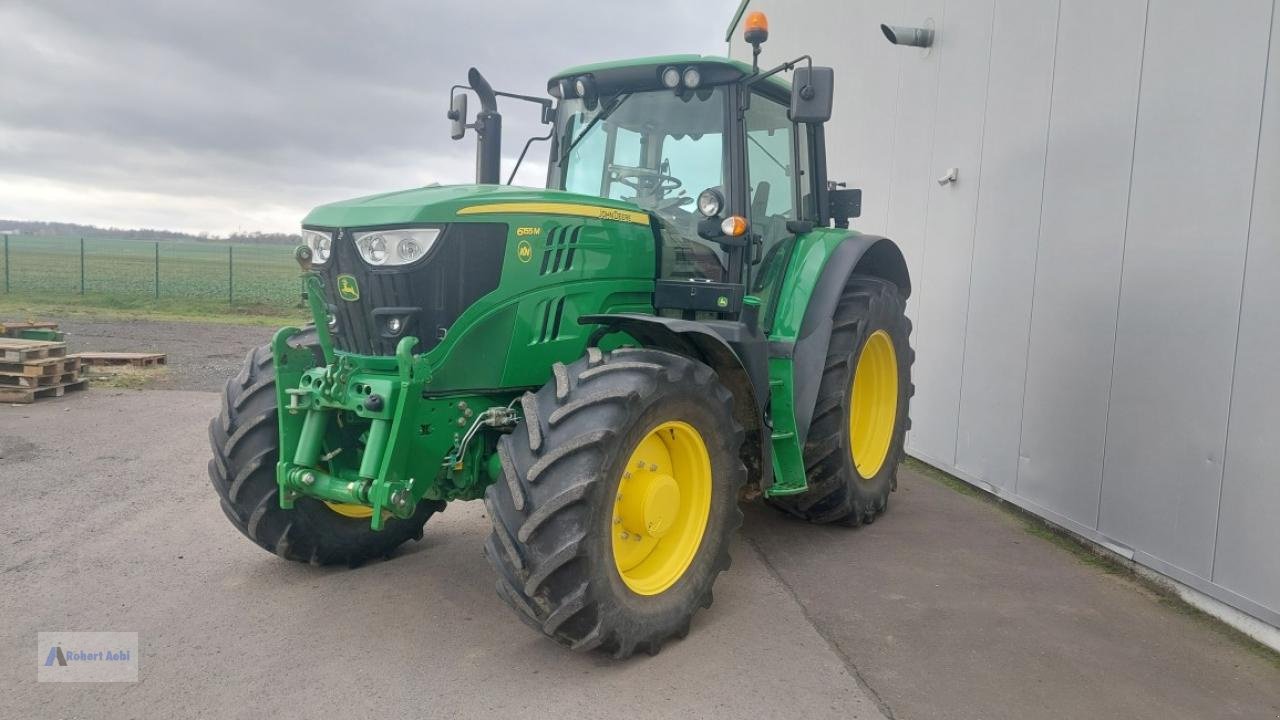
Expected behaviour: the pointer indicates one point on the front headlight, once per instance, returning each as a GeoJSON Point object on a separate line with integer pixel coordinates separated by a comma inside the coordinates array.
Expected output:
{"type": "Point", "coordinates": [321, 244]}
{"type": "Point", "coordinates": [395, 247]}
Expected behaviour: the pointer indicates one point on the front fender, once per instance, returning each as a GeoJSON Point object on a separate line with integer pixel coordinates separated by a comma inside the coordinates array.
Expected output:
{"type": "Point", "coordinates": [712, 343]}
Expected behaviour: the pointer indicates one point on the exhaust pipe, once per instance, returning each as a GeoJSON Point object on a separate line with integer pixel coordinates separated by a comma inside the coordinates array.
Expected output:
{"type": "Point", "coordinates": [488, 131]}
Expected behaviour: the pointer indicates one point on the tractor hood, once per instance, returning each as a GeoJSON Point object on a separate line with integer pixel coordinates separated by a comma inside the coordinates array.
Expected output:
{"type": "Point", "coordinates": [446, 203]}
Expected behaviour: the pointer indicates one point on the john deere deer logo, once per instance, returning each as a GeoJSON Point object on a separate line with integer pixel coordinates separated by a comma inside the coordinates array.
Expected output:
{"type": "Point", "coordinates": [524, 251]}
{"type": "Point", "coordinates": [348, 289]}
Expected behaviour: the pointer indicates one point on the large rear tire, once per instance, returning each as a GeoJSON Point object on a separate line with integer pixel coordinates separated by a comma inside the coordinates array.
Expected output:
{"type": "Point", "coordinates": [856, 439]}
{"type": "Point", "coordinates": [618, 499]}
{"type": "Point", "coordinates": [245, 441]}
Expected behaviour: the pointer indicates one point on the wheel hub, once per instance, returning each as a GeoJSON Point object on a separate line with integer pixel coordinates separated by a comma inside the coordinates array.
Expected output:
{"type": "Point", "coordinates": [651, 505]}
{"type": "Point", "coordinates": [661, 508]}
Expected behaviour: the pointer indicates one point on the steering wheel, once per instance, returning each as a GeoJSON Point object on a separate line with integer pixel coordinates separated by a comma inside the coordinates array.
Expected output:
{"type": "Point", "coordinates": [645, 181]}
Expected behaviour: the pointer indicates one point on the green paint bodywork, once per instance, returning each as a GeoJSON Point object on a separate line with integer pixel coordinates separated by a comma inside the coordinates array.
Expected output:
{"type": "Point", "coordinates": [440, 203]}
{"type": "Point", "coordinates": [809, 255]}
{"type": "Point", "coordinates": [431, 434]}
{"type": "Point", "coordinates": [499, 347]}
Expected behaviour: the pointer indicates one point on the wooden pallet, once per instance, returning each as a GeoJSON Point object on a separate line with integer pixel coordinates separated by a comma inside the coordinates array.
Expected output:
{"type": "Point", "coordinates": [31, 381]}
{"type": "Point", "coordinates": [132, 359]}
{"type": "Point", "coordinates": [30, 395]}
{"type": "Point", "coordinates": [15, 329]}
{"type": "Point", "coordinates": [38, 368]}
{"type": "Point", "coordinates": [24, 351]}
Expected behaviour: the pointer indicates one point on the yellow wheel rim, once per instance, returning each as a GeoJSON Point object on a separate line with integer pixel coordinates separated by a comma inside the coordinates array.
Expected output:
{"type": "Point", "coordinates": [350, 510]}
{"type": "Point", "coordinates": [661, 511]}
{"type": "Point", "coordinates": [873, 404]}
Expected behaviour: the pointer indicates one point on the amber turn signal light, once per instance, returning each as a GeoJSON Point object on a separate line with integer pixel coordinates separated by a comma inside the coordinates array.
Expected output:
{"type": "Point", "coordinates": [734, 226]}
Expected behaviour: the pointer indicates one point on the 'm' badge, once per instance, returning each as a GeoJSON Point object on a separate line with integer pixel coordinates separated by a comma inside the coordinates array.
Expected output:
{"type": "Point", "coordinates": [524, 251]}
{"type": "Point", "coordinates": [348, 289]}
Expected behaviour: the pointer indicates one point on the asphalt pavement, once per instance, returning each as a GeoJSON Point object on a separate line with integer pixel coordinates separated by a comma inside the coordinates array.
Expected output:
{"type": "Point", "coordinates": [945, 608]}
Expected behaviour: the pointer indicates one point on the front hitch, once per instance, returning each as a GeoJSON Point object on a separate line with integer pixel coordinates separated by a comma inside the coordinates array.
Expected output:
{"type": "Point", "coordinates": [313, 399]}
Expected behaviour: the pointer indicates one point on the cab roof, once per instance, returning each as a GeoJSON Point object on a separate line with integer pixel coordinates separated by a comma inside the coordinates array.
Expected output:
{"type": "Point", "coordinates": [646, 70]}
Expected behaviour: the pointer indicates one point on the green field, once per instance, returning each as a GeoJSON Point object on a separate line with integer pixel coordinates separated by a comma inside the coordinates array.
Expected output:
{"type": "Point", "coordinates": [204, 277]}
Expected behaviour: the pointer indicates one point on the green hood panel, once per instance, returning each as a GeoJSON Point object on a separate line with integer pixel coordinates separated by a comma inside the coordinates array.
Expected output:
{"type": "Point", "coordinates": [441, 203]}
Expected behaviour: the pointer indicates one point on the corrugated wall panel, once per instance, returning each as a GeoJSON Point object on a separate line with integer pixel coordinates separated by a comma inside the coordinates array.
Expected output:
{"type": "Point", "coordinates": [1249, 518]}
{"type": "Point", "coordinates": [1077, 275]}
{"type": "Point", "coordinates": [1148, 411]}
{"type": "Point", "coordinates": [1005, 239]}
{"type": "Point", "coordinates": [913, 125]}
{"type": "Point", "coordinates": [964, 50]}
{"type": "Point", "coordinates": [1194, 157]}
{"type": "Point", "coordinates": [860, 139]}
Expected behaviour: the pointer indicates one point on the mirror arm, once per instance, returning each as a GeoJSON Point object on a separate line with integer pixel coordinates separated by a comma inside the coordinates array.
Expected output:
{"type": "Point", "coordinates": [758, 77]}
{"type": "Point", "coordinates": [545, 103]}
{"type": "Point", "coordinates": [520, 159]}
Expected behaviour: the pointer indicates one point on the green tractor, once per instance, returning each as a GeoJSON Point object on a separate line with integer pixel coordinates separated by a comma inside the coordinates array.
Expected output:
{"type": "Point", "coordinates": [681, 320]}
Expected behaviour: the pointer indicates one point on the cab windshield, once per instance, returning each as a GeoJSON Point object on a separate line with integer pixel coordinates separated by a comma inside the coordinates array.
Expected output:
{"type": "Point", "coordinates": [657, 149]}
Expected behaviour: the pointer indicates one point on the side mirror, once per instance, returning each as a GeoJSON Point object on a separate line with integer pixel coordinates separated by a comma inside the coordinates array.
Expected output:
{"type": "Point", "coordinates": [812, 89]}
{"type": "Point", "coordinates": [458, 116]}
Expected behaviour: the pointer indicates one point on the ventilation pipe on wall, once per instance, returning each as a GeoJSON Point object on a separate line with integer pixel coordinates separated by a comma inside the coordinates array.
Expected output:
{"type": "Point", "coordinates": [910, 36]}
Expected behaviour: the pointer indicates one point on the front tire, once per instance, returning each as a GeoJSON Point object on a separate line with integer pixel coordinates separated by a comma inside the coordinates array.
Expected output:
{"type": "Point", "coordinates": [245, 441]}
{"type": "Point", "coordinates": [618, 499]}
{"type": "Point", "coordinates": [856, 439]}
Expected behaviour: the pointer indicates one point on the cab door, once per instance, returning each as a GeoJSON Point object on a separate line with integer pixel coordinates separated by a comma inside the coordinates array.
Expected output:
{"type": "Point", "coordinates": [779, 190]}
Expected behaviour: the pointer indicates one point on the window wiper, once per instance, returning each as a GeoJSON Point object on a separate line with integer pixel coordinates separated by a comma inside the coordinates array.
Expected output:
{"type": "Point", "coordinates": [775, 160]}
{"type": "Point", "coordinates": [601, 116]}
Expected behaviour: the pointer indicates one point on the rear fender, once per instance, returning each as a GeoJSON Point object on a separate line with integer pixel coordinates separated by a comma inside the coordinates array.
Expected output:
{"type": "Point", "coordinates": [855, 254]}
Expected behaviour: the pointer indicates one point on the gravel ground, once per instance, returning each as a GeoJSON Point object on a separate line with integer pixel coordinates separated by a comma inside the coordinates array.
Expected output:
{"type": "Point", "coordinates": [201, 355]}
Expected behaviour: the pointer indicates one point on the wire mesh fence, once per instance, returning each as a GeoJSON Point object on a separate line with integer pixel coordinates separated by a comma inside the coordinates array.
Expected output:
{"type": "Point", "coordinates": [237, 274]}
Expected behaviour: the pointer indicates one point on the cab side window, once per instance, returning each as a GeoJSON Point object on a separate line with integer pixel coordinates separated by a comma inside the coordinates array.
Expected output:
{"type": "Point", "coordinates": [776, 162]}
{"type": "Point", "coordinates": [770, 168]}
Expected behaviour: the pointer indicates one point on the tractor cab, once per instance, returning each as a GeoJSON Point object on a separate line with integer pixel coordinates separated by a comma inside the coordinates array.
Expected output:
{"type": "Point", "coordinates": [727, 160]}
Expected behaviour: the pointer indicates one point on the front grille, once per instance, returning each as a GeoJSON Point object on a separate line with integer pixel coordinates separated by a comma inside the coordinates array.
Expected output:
{"type": "Point", "coordinates": [464, 264]}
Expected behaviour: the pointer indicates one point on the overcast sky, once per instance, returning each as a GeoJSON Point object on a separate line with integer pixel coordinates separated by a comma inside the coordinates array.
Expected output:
{"type": "Point", "coordinates": [224, 115]}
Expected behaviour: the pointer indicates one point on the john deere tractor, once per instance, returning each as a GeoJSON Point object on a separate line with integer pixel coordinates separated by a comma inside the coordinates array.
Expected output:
{"type": "Point", "coordinates": [680, 320]}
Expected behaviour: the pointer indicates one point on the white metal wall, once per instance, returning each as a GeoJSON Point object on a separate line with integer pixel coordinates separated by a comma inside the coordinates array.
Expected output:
{"type": "Point", "coordinates": [1097, 296]}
